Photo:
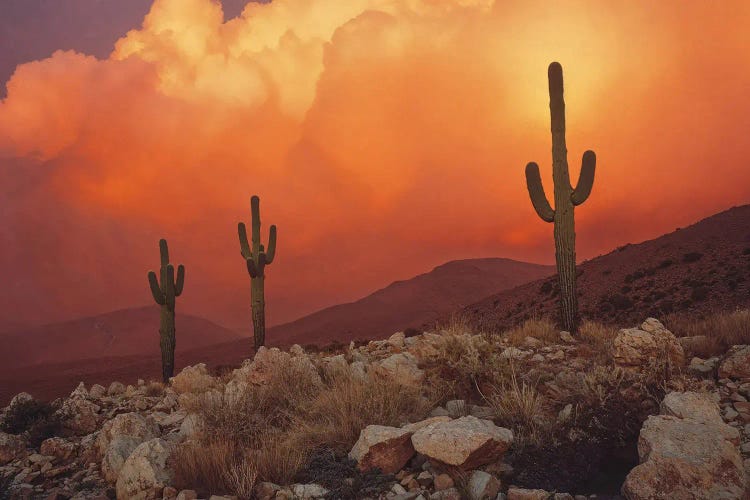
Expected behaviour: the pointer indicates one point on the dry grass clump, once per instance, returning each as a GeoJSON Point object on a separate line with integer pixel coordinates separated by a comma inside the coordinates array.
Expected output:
{"type": "Point", "coordinates": [458, 324]}
{"type": "Point", "coordinates": [154, 389]}
{"type": "Point", "coordinates": [722, 330]}
{"type": "Point", "coordinates": [336, 416]}
{"type": "Point", "coordinates": [268, 432]}
{"type": "Point", "coordinates": [519, 406]}
{"type": "Point", "coordinates": [467, 362]}
{"type": "Point", "coordinates": [598, 338]}
{"type": "Point", "coordinates": [540, 328]}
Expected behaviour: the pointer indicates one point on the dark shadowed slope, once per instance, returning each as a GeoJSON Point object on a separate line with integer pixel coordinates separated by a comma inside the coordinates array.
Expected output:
{"type": "Point", "coordinates": [128, 332]}
{"type": "Point", "coordinates": [413, 302]}
{"type": "Point", "coordinates": [695, 270]}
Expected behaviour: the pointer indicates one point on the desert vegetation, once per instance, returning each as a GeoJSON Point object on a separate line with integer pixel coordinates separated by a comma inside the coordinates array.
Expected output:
{"type": "Point", "coordinates": [165, 291]}
{"type": "Point", "coordinates": [257, 257]}
{"type": "Point", "coordinates": [566, 199]}
{"type": "Point", "coordinates": [385, 418]}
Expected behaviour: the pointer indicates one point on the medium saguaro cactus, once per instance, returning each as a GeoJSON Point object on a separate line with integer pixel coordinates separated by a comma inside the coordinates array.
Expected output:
{"type": "Point", "coordinates": [566, 199]}
{"type": "Point", "coordinates": [165, 290]}
{"type": "Point", "coordinates": [257, 258]}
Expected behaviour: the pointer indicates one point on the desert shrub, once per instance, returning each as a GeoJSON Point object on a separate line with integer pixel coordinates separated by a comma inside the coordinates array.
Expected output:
{"type": "Point", "coordinates": [542, 329]}
{"type": "Point", "coordinates": [412, 332]}
{"type": "Point", "coordinates": [519, 406]}
{"type": "Point", "coordinates": [692, 257]}
{"type": "Point", "coordinates": [746, 251]}
{"type": "Point", "coordinates": [722, 330]}
{"type": "Point", "coordinates": [215, 467]}
{"type": "Point", "coordinates": [38, 420]}
{"type": "Point", "coordinates": [699, 294]}
{"type": "Point", "coordinates": [598, 337]}
{"type": "Point", "coordinates": [269, 432]}
{"type": "Point", "coordinates": [620, 302]}
{"type": "Point", "coordinates": [666, 263]}
{"type": "Point", "coordinates": [154, 389]}
{"type": "Point", "coordinates": [546, 288]}
{"type": "Point", "coordinates": [336, 416]}
{"type": "Point", "coordinates": [457, 324]}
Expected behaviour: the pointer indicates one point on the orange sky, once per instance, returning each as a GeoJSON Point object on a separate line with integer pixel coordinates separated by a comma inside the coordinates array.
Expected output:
{"type": "Point", "coordinates": [383, 136]}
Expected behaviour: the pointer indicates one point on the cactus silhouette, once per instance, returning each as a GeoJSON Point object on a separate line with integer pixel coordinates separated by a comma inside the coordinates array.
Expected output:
{"type": "Point", "coordinates": [257, 258]}
{"type": "Point", "coordinates": [165, 290]}
{"type": "Point", "coordinates": [566, 199]}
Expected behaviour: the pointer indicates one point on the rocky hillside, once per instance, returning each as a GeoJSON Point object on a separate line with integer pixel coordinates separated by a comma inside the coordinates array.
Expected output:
{"type": "Point", "coordinates": [128, 332]}
{"type": "Point", "coordinates": [692, 271]}
{"type": "Point", "coordinates": [441, 415]}
{"type": "Point", "coordinates": [411, 302]}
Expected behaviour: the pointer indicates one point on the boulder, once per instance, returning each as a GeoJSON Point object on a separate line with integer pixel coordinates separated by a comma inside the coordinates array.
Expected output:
{"type": "Point", "coordinates": [147, 471]}
{"type": "Point", "coordinates": [266, 362]}
{"type": "Point", "coordinates": [57, 447]}
{"type": "Point", "coordinates": [703, 367]}
{"type": "Point", "coordinates": [736, 363]}
{"type": "Point", "coordinates": [385, 448]}
{"type": "Point", "coordinates": [693, 405]}
{"type": "Point", "coordinates": [80, 415]}
{"type": "Point", "coordinates": [119, 437]}
{"type": "Point", "coordinates": [115, 389]}
{"type": "Point", "coordinates": [634, 347]}
{"type": "Point", "coordinates": [11, 447]}
{"type": "Point", "coordinates": [687, 453]}
{"type": "Point", "coordinates": [401, 367]}
{"type": "Point", "coordinates": [193, 379]}
{"type": "Point", "coordinates": [466, 442]}
{"type": "Point", "coordinates": [97, 391]}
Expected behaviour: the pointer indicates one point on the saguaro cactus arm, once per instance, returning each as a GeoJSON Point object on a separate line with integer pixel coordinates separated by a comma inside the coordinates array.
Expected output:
{"type": "Point", "coordinates": [536, 193]}
{"type": "Point", "coordinates": [586, 179]}
{"type": "Point", "coordinates": [180, 282]}
{"type": "Point", "coordinates": [244, 244]}
{"type": "Point", "coordinates": [155, 289]}
{"type": "Point", "coordinates": [271, 249]}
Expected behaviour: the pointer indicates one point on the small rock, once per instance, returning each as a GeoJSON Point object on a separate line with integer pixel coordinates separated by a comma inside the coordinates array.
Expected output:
{"type": "Point", "coordinates": [483, 486]}
{"type": "Point", "coordinates": [736, 364]}
{"type": "Point", "coordinates": [524, 494]}
{"type": "Point", "coordinates": [11, 447]}
{"type": "Point", "coordinates": [567, 337]}
{"type": "Point", "coordinates": [396, 340]}
{"type": "Point", "coordinates": [386, 448]}
{"type": "Point", "coordinates": [443, 482]}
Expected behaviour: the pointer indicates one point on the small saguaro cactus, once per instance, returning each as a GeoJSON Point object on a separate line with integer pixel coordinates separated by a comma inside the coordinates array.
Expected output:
{"type": "Point", "coordinates": [257, 258]}
{"type": "Point", "coordinates": [165, 290]}
{"type": "Point", "coordinates": [566, 199]}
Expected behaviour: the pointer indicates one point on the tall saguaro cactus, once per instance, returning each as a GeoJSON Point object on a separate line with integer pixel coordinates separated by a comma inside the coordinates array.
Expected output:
{"type": "Point", "coordinates": [566, 199]}
{"type": "Point", "coordinates": [165, 290]}
{"type": "Point", "coordinates": [257, 258]}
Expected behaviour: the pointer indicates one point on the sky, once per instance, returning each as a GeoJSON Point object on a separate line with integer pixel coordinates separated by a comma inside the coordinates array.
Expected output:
{"type": "Point", "coordinates": [384, 137]}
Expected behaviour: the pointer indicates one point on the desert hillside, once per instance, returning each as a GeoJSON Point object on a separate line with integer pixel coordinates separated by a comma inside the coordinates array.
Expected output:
{"type": "Point", "coordinates": [127, 332]}
{"type": "Point", "coordinates": [690, 272]}
{"type": "Point", "coordinates": [411, 302]}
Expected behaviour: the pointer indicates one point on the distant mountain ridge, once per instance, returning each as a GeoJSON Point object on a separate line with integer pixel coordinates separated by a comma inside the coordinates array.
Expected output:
{"type": "Point", "coordinates": [695, 270]}
{"type": "Point", "coordinates": [127, 332]}
{"type": "Point", "coordinates": [411, 302]}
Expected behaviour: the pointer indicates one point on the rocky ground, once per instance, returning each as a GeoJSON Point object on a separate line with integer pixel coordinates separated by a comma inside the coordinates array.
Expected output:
{"type": "Point", "coordinates": [530, 414]}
